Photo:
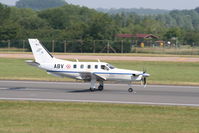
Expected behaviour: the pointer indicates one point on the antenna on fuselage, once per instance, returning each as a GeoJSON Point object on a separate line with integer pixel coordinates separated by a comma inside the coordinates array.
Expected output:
{"type": "Point", "coordinates": [77, 60]}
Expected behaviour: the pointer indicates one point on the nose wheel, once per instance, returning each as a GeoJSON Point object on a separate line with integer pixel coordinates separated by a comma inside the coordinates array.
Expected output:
{"type": "Point", "coordinates": [130, 89]}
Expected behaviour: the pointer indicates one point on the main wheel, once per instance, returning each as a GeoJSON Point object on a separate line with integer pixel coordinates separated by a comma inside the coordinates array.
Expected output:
{"type": "Point", "coordinates": [130, 90]}
{"type": "Point", "coordinates": [101, 88]}
{"type": "Point", "coordinates": [92, 89]}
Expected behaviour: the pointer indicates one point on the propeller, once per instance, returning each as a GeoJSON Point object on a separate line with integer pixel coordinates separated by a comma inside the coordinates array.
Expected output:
{"type": "Point", "coordinates": [144, 80]}
{"type": "Point", "coordinates": [144, 70]}
{"type": "Point", "coordinates": [143, 77]}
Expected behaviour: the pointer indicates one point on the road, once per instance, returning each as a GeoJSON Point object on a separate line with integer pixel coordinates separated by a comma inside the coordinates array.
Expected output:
{"type": "Point", "coordinates": [104, 58]}
{"type": "Point", "coordinates": [113, 93]}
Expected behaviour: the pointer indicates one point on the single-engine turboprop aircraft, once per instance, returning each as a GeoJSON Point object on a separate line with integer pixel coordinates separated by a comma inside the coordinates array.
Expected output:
{"type": "Point", "coordinates": [87, 71]}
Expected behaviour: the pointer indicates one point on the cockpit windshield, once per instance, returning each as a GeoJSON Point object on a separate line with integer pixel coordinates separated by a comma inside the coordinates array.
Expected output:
{"type": "Point", "coordinates": [110, 66]}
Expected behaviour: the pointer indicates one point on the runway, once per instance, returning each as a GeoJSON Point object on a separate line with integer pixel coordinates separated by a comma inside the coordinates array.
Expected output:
{"type": "Point", "coordinates": [113, 93]}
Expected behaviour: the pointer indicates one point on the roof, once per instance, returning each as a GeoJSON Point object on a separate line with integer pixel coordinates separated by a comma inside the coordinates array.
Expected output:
{"type": "Point", "coordinates": [145, 36]}
{"type": "Point", "coordinates": [124, 35]}
{"type": "Point", "coordinates": [160, 41]}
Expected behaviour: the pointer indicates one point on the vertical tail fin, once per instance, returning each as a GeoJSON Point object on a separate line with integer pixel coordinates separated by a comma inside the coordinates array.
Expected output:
{"type": "Point", "coordinates": [40, 53]}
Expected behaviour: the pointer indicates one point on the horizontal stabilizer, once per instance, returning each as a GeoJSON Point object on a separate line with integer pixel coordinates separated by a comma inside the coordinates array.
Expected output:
{"type": "Point", "coordinates": [32, 63]}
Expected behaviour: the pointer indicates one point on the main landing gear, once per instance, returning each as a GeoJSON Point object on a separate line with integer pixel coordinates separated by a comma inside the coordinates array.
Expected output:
{"type": "Point", "coordinates": [93, 82]}
{"type": "Point", "coordinates": [100, 88]}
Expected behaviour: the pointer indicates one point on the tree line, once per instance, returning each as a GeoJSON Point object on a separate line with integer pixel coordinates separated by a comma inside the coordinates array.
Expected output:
{"type": "Point", "coordinates": [139, 11]}
{"type": "Point", "coordinates": [70, 22]}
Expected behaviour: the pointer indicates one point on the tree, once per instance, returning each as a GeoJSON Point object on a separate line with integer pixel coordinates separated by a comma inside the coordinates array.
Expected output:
{"type": "Point", "coordinates": [39, 4]}
{"type": "Point", "coordinates": [197, 9]}
{"type": "Point", "coordinates": [8, 31]}
{"type": "Point", "coordinates": [152, 26]}
{"type": "Point", "coordinates": [32, 23]}
{"type": "Point", "coordinates": [192, 38]}
{"type": "Point", "coordinates": [4, 13]}
{"type": "Point", "coordinates": [102, 27]}
{"type": "Point", "coordinates": [174, 34]}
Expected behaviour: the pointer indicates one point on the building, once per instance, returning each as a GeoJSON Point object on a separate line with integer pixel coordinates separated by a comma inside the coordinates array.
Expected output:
{"type": "Point", "coordinates": [139, 39]}
{"type": "Point", "coordinates": [138, 36]}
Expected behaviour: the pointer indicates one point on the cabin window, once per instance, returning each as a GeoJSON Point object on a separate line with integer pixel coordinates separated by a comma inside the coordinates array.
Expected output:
{"type": "Point", "coordinates": [74, 66]}
{"type": "Point", "coordinates": [103, 67]}
{"type": "Point", "coordinates": [96, 66]}
{"type": "Point", "coordinates": [82, 66]}
{"type": "Point", "coordinates": [89, 66]}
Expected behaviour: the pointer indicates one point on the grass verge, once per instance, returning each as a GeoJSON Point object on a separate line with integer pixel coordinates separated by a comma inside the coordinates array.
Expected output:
{"type": "Point", "coordinates": [167, 51]}
{"type": "Point", "coordinates": [175, 73]}
{"type": "Point", "coordinates": [10, 50]}
{"type": "Point", "coordinates": [47, 117]}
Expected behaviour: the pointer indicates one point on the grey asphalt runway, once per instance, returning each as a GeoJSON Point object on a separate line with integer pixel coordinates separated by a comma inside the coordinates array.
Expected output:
{"type": "Point", "coordinates": [113, 93]}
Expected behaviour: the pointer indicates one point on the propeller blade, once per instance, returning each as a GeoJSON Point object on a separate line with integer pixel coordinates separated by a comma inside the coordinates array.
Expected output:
{"type": "Point", "coordinates": [145, 81]}
{"type": "Point", "coordinates": [144, 70]}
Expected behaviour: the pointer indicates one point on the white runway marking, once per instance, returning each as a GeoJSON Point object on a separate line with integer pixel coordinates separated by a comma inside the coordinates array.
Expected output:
{"type": "Point", "coordinates": [95, 101]}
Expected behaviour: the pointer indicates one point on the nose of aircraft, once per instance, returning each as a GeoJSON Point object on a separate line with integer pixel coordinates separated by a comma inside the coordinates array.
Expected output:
{"type": "Point", "coordinates": [146, 75]}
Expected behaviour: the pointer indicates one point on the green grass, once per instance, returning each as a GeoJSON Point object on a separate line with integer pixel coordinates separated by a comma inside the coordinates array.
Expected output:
{"type": "Point", "coordinates": [12, 50]}
{"type": "Point", "coordinates": [166, 51]}
{"type": "Point", "coordinates": [166, 72]}
{"type": "Point", "coordinates": [47, 117]}
{"type": "Point", "coordinates": [161, 72]}
{"type": "Point", "coordinates": [17, 69]}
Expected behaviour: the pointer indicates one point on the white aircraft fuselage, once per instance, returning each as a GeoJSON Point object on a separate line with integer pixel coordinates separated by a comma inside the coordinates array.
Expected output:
{"type": "Point", "coordinates": [83, 71]}
{"type": "Point", "coordinates": [87, 71]}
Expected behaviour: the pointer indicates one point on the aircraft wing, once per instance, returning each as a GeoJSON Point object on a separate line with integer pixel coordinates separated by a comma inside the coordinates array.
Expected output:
{"type": "Point", "coordinates": [85, 75]}
{"type": "Point", "coordinates": [100, 76]}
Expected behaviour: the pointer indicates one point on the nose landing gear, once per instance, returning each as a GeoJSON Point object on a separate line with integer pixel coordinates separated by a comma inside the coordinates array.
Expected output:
{"type": "Point", "coordinates": [131, 88]}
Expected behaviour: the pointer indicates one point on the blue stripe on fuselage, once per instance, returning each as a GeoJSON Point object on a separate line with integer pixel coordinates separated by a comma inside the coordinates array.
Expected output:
{"type": "Point", "coordinates": [93, 72]}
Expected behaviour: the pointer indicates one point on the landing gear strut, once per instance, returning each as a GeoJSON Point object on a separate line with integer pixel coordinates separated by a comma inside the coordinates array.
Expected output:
{"type": "Point", "coordinates": [93, 82]}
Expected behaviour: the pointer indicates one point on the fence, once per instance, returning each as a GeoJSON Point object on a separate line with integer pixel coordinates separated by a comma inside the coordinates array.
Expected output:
{"type": "Point", "coordinates": [99, 46]}
{"type": "Point", "coordinates": [75, 46]}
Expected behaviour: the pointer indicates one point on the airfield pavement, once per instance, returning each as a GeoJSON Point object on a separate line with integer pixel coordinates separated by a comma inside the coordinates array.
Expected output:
{"type": "Point", "coordinates": [113, 93]}
{"type": "Point", "coordinates": [104, 57]}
